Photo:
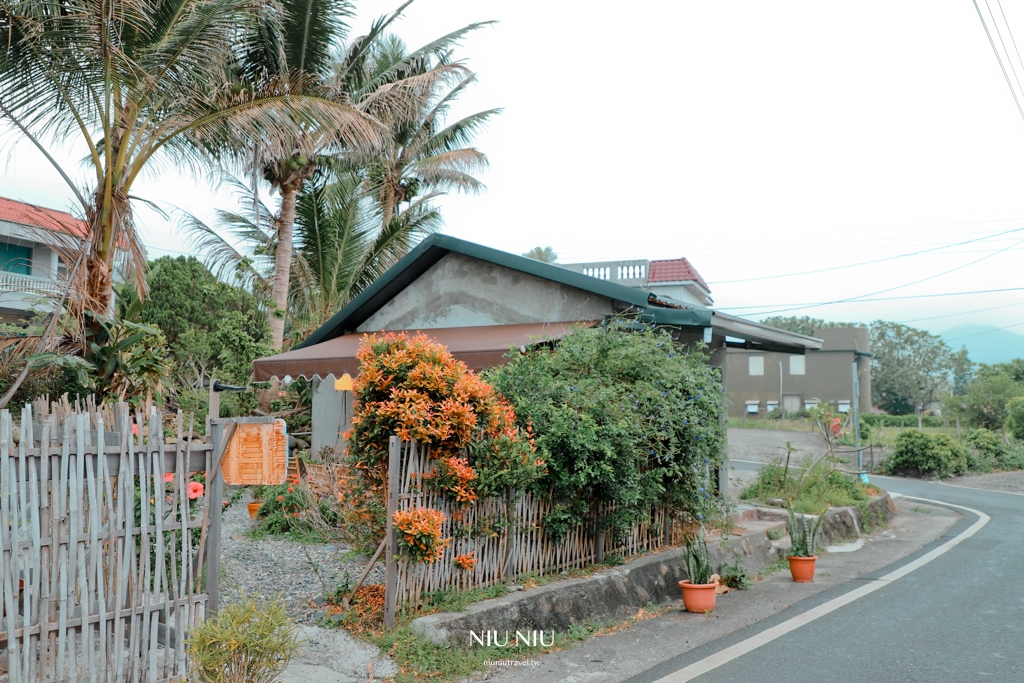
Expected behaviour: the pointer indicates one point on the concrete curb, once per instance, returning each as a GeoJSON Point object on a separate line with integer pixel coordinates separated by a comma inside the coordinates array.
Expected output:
{"type": "Point", "coordinates": [615, 594]}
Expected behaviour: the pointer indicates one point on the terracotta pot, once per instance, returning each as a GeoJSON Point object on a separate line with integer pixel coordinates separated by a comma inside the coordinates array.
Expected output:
{"type": "Point", "coordinates": [698, 597]}
{"type": "Point", "coordinates": [802, 568]}
{"type": "Point", "coordinates": [253, 509]}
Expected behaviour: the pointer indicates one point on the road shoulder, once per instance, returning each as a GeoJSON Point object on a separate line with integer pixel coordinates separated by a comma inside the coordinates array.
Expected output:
{"type": "Point", "coordinates": [622, 654]}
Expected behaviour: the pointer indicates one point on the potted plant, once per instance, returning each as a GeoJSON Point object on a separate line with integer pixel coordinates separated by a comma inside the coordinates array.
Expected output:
{"type": "Point", "coordinates": [698, 589]}
{"type": "Point", "coordinates": [803, 554]}
{"type": "Point", "coordinates": [254, 507]}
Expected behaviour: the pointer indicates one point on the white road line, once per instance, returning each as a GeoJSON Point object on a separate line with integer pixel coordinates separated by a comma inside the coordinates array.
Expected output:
{"type": "Point", "coordinates": [750, 644]}
{"type": "Point", "coordinates": [973, 488]}
{"type": "Point", "coordinates": [749, 462]}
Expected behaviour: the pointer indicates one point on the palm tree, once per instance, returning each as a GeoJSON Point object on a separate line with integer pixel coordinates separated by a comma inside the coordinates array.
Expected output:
{"type": "Point", "coordinates": [302, 61]}
{"type": "Point", "coordinates": [542, 254]}
{"type": "Point", "coordinates": [134, 79]}
{"type": "Point", "coordinates": [423, 157]}
{"type": "Point", "coordinates": [341, 246]}
{"type": "Point", "coordinates": [345, 248]}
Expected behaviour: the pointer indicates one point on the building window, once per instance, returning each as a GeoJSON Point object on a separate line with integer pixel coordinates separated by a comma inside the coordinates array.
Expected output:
{"type": "Point", "coordinates": [797, 365]}
{"type": "Point", "coordinates": [755, 365]}
{"type": "Point", "coordinates": [753, 407]}
{"type": "Point", "coordinates": [813, 403]}
{"type": "Point", "coordinates": [843, 406]}
{"type": "Point", "coordinates": [770, 406]}
{"type": "Point", "coordinates": [16, 259]}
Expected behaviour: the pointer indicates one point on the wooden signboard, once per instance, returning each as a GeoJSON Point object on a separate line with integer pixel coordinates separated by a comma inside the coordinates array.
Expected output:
{"type": "Point", "coordinates": [256, 454]}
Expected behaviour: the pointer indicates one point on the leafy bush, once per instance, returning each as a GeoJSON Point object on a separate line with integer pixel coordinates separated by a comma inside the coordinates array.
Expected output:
{"type": "Point", "coordinates": [987, 450]}
{"type": "Point", "coordinates": [1015, 417]}
{"type": "Point", "coordinates": [918, 454]}
{"type": "Point", "coordinates": [622, 415]}
{"type": "Point", "coordinates": [247, 642]}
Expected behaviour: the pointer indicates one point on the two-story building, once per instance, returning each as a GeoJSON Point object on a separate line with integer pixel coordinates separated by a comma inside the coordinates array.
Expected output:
{"type": "Point", "coordinates": [758, 382]}
{"type": "Point", "coordinates": [30, 265]}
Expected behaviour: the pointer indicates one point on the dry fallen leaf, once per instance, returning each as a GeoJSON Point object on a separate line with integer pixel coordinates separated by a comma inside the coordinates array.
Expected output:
{"type": "Point", "coordinates": [721, 588]}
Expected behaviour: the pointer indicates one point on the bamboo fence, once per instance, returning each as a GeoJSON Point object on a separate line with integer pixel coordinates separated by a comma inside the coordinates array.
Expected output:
{"type": "Point", "coordinates": [102, 557]}
{"type": "Point", "coordinates": [503, 552]}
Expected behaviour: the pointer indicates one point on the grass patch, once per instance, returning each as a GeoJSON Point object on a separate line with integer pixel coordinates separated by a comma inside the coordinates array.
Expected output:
{"type": "Point", "coordinates": [810, 488]}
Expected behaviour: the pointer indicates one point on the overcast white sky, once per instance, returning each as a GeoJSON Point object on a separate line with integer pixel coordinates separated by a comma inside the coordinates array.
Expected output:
{"type": "Point", "coordinates": [756, 139]}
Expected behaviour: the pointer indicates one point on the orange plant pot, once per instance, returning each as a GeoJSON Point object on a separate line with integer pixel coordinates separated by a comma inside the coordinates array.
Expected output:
{"type": "Point", "coordinates": [253, 509]}
{"type": "Point", "coordinates": [698, 597]}
{"type": "Point", "coordinates": [802, 568]}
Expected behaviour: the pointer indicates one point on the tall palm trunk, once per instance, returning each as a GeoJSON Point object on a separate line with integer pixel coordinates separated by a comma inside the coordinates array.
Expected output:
{"type": "Point", "coordinates": [283, 262]}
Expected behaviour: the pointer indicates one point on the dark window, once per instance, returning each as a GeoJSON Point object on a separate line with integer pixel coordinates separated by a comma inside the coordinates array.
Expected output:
{"type": "Point", "coordinates": [16, 259]}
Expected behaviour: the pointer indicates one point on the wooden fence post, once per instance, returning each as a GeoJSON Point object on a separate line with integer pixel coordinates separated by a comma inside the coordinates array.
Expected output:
{"type": "Point", "coordinates": [391, 575]}
{"type": "Point", "coordinates": [222, 430]}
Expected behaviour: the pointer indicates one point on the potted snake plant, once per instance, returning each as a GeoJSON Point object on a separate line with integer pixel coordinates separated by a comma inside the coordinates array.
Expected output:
{"type": "Point", "coordinates": [698, 589]}
{"type": "Point", "coordinates": [803, 554]}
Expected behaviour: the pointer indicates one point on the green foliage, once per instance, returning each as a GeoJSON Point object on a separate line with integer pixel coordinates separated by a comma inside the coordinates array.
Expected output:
{"type": "Point", "coordinates": [804, 534]}
{"type": "Point", "coordinates": [901, 421]}
{"type": "Point", "coordinates": [808, 487]}
{"type": "Point", "coordinates": [542, 254]}
{"type": "Point", "coordinates": [622, 415]}
{"type": "Point", "coordinates": [988, 395]}
{"type": "Point", "coordinates": [986, 451]}
{"type": "Point", "coordinates": [250, 641]}
{"type": "Point", "coordinates": [917, 453]}
{"type": "Point", "coordinates": [735, 574]}
{"type": "Point", "coordinates": [211, 327]}
{"type": "Point", "coordinates": [124, 360]}
{"type": "Point", "coordinates": [698, 560]}
{"type": "Point", "coordinates": [911, 368]}
{"type": "Point", "coordinates": [1015, 417]}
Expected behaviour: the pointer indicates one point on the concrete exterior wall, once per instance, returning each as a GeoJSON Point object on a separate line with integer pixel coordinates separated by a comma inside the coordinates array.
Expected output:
{"type": "Point", "coordinates": [332, 415]}
{"type": "Point", "coordinates": [828, 373]}
{"type": "Point", "coordinates": [460, 291]}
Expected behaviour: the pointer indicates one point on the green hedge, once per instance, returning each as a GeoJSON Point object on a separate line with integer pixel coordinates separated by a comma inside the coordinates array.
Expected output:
{"type": "Point", "coordinates": [902, 420]}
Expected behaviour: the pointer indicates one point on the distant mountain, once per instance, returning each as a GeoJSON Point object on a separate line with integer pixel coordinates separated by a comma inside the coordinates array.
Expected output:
{"type": "Point", "coordinates": [985, 343]}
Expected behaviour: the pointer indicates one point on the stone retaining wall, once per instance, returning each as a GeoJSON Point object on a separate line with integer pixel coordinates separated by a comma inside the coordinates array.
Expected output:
{"type": "Point", "coordinates": [615, 594]}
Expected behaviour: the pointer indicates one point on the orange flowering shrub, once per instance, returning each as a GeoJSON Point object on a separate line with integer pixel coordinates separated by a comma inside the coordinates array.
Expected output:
{"type": "Point", "coordinates": [455, 476]}
{"type": "Point", "coordinates": [419, 533]}
{"type": "Point", "coordinates": [466, 562]}
{"type": "Point", "coordinates": [412, 387]}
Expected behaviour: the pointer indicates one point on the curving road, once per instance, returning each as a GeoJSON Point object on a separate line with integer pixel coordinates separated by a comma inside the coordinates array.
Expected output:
{"type": "Point", "coordinates": [953, 611]}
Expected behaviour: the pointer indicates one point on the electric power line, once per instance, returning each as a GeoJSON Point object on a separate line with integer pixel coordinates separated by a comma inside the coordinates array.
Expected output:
{"type": "Point", "coordinates": [862, 297]}
{"type": "Point", "coordinates": [882, 298]}
{"type": "Point", "coordinates": [953, 315]}
{"type": "Point", "coordinates": [978, 334]}
{"type": "Point", "coordinates": [865, 263]}
{"type": "Point", "coordinates": [999, 58]}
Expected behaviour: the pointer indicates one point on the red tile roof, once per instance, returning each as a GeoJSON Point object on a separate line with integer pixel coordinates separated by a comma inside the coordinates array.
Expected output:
{"type": "Point", "coordinates": [39, 217]}
{"type": "Point", "coordinates": [675, 270]}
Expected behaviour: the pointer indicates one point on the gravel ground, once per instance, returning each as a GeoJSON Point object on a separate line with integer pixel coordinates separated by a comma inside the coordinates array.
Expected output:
{"type": "Point", "coordinates": [282, 566]}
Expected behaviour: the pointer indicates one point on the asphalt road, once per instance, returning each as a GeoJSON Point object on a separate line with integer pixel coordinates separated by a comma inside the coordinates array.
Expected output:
{"type": "Point", "coordinates": [958, 617]}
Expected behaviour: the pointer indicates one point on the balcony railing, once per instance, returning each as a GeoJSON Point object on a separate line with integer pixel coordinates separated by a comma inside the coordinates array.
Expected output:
{"type": "Point", "coordinates": [22, 284]}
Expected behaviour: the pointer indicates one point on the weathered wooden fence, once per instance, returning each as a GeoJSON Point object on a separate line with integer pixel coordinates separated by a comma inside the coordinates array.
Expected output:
{"type": "Point", "coordinates": [503, 550]}
{"type": "Point", "coordinates": [102, 545]}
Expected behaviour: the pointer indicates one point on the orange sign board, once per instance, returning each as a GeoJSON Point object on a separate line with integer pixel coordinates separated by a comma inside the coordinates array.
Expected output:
{"type": "Point", "coordinates": [256, 454]}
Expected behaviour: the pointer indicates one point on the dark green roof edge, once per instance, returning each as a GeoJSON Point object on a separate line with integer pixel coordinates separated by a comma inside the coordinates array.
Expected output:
{"type": "Point", "coordinates": [436, 246]}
